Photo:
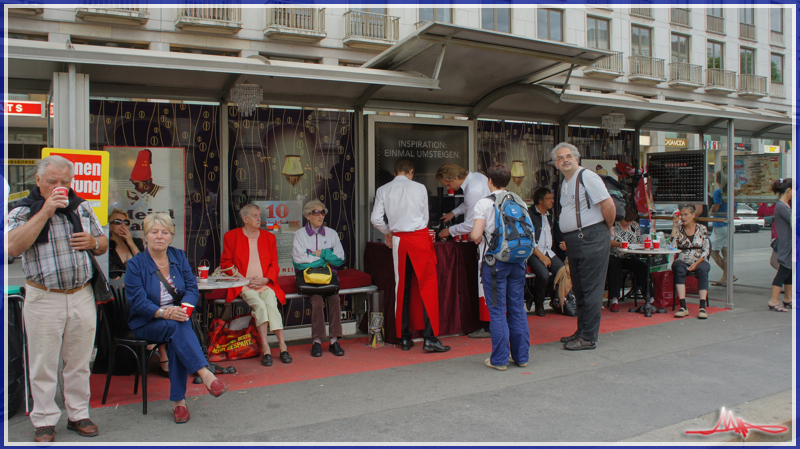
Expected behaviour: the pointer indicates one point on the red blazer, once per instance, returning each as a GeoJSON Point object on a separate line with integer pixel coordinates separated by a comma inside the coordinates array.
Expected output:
{"type": "Point", "coordinates": [236, 252]}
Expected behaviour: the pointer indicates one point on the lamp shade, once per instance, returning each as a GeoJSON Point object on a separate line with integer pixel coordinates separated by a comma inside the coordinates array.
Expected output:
{"type": "Point", "coordinates": [292, 169]}
{"type": "Point", "coordinates": [517, 172]}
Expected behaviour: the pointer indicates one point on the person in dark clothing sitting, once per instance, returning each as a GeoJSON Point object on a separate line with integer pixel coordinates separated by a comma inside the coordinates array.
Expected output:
{"type": "Point", "coordinates": [626, 230]}
{"type": "Point", "coordinates": [543, 261]}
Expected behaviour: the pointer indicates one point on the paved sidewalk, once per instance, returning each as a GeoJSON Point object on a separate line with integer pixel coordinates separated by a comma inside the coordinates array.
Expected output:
{"type": "Point", "coordinates": [646, 384]}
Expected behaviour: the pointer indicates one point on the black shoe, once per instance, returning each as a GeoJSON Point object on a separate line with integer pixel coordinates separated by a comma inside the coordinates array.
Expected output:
{"type": "Point", "coordinates": [579, 344]}
{"type": "Point", "coordinates": [336, 349]}
{"type": "Point", "coordinates": [266, 360]}
{"type": "Point", "coordinates": [316, 350]}
{"type": "Point", "coordinates": [285, 357]}
{"type": "Point", "coordinates": [572, 337]}
{"type": "Point", "coordinates": [529, 303]}
{"type": "Point", "coordinates": [538, 309]}
{"type": "Point", "coordinates": [406, 344]}
{"type": "Point", "coordinates": [161, 371]}
{"type": "Point", "coordinates": [434, 346]}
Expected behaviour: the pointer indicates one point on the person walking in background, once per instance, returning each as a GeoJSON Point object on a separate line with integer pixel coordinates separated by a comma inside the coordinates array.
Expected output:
{"type": "Point", "coordinates": [586, 221]}
{"type": "Point", "coordinates": [509, 323]}
{"type": "Point", "coordinates": [53, 229]}
{"type": "Point", "coordinates": [719, 236]}
{"type": "Point", "coordinates": [157, 282]}
{"type": "Point", "coordinates": [475, 186]}
{"type": "Point", "coordinates": [404, 203]}
{"type": "Point", "coordinates": [783, 224]}
{"type": "Point", "coordinates": [543, 262]}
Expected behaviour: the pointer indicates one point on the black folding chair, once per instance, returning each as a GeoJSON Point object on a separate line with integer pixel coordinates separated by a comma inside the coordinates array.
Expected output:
{"type": "Point", "coordinates": [116, 314]}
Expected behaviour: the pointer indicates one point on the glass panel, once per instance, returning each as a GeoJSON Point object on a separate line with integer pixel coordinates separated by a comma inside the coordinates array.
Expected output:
{"type": "Point", "coordinates": [746, 16]}
{"type": "Point", "coordinates": [716, 12]}
{"type": "Point", "coordinates": [426, 14]}
{"type": "Point", "coordinates": [680, 48]}
{"type": "Point", "coordinates": [591, 32]}
{"type": "Point", "coordinates": [504, 20]}
{"type": "Point", "coordinates": [746, 57]}
{"type": "Point", "coordinates": [541, 24]}
{"type": "Point", "coordinates": [714, 55]}
{"type": "Point", "coordinates": [487, 18]}
{"type": "Point", "coordinates": [776, 20]}
{"type": "Point", "coordinates": [603, 36]}
{"type": "Point", "coordinates": [635, 41]}
{"type": "Point", "coordinates": [777, 69]}
{"type": "Point", "coordinates": [444, 15]}
{"type": "Point", "coordinates": [644, 40]}
{"type": "Point", "coordinates": [555, 25]}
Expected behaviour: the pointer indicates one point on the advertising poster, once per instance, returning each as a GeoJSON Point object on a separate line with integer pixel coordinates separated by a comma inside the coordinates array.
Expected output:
{"type": "Point", "coordinates": [143, 180]}
{"type": "Point", "coordinates": [753, 176]}
{"type": "Point", "coordinates": [90, 177]}
{"type": "Point", "coordinates": [600, 167]}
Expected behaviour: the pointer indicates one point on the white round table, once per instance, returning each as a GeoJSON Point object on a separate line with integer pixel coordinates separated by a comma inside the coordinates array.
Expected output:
{"type": "Point", "coordinates": [647, 308]}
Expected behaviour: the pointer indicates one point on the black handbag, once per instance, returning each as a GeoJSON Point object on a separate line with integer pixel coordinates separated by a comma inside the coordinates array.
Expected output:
{"type": "Point", "coordinates": [102, 291]}
{"type": "Point", "coordinates": [305, 288]}
{"type": "Point", "coordinates": [570, 305]}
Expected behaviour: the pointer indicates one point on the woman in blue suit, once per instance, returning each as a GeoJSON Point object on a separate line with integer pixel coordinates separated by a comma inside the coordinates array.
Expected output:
{"type": "Point", "coordinates": [156, 314]}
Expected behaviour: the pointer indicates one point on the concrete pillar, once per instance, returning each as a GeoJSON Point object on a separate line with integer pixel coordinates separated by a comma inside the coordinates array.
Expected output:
{"type": "Point", "coordinates": [71, 111]}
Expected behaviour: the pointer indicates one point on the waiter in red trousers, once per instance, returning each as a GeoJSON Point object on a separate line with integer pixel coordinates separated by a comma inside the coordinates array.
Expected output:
{"type": "Point", "coordinates": [404, 203]}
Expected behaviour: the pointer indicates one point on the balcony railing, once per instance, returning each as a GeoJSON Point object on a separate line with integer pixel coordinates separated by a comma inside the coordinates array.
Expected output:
{"type": "Point", "coordinates": [642, 12]}
{"type": "Point", "coordinates": [777, 90]}
{"type": "Point", "coordinates": [720, 80]}
{"type": "Point", "coordinates": [296, 24]}
{"type": "Point", "coordinates": [776, 39]}
{"type": "Point", "coordinates": [646, 69]}
{"type": "Point", "coordinates": [212, 20]}
{"type": "Point", "coordinates": [360, 25]}
{"type": "Point", "coordinates": [682, 73]}
{"type": "Point", "coordinates": [612, 63]}
{"type": "Point", "coordinates": [752, 85]}
{"type": "Point", "coordinates": [715, 24]}
{"type": "Point", "coordinates": [747, 31]}
{"type": "Point", "coordinates": [680, 16]}
{"type": "Point", "coordinates": [117, 13]}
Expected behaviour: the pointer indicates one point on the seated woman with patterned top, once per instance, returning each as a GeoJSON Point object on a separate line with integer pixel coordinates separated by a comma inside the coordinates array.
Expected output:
{"type": "Point", "coordinates": [693, 242]}
{"type": "Point", "coordinates": [317, 246]}
{"type": "Point", "coordinates": [626, 230]}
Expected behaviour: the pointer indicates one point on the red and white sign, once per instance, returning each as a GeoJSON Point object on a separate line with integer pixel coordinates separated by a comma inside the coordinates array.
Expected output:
{"type": "Point", "coordinates": [25, 108]}
{"type": "Point", "coordinates": [90, 179]}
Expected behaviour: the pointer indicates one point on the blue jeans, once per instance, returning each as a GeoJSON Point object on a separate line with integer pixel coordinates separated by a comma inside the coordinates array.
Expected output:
{"type": "Point", "coordinates": [183, 350]}
{"type": "Point", "coordinates": [509, 322]}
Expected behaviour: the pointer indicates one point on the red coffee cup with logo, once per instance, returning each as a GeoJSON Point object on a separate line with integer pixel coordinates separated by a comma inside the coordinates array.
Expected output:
{"type": "Point", "coordinates": [647, 243]}
{"type": "Point", "coordinates": [187, 308]}
{"type": "Point", "coordinates": [432, 233]}
{"type": "Point", "coordinates": [624, 245]}
{"type": "Point", "coordinates": [656, 244]}
{"type": "Point", "coordinates": [203, 273]}
{"type": "Point", "coordinates": [451, 192]}
{"type": "Point", "coordinates": [61, 190]}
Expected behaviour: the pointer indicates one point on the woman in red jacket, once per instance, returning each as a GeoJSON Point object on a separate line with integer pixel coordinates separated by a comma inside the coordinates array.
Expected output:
{"type": "Point", "coordinates": [255, 255]}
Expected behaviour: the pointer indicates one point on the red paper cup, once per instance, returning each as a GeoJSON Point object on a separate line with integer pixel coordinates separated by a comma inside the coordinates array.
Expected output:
{"type": "Point", "coordinates": [656, 244]}
{"type": "Point", "coordinates": [61, 190]}
{"type": "Point", "coordinates": [647, 244]}
{"type": "Point", "coordinates": [451, 192]}
{"type": "Point", "coordinates": [432, 233]}
{"type": "Point", "coordinates": [203, 273]}
{"type": "Point", "coordinates": [187, 308]}
{"type": "Point", "coordinates": [624, 245]}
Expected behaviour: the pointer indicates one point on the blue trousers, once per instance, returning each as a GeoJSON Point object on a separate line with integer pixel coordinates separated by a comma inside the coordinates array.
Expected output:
{"type": "Point", "coordinates": [183, 350]}
{"type": "Point", "coordinates": [509, 322]}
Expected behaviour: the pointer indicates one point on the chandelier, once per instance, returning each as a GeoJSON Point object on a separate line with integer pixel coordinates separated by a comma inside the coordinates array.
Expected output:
{"type": "Point", "coordinates": [613, 122]}
{"type": "Point", "coordinates": [246, 97]}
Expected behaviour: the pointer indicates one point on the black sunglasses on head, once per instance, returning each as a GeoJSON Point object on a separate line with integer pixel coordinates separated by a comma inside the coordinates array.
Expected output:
{"type": "Point", "coordinates": [118, 221]}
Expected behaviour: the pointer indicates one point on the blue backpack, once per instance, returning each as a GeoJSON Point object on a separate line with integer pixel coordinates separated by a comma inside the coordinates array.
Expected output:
{"type": "Point", "coordinates": [512, 240]}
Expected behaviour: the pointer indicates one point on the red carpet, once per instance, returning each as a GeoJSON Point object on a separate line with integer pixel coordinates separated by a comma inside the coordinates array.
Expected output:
{"type": "Point", "coordinates": [360, 358]}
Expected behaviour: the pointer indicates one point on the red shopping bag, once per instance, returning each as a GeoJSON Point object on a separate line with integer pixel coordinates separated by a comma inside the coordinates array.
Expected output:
{"type": "Point", "coordinates": [233, 340]}
{"type": "Point", "coordinates": [663, 288]}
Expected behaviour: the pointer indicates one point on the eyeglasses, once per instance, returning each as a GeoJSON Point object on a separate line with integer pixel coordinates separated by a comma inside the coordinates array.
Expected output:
{"type": "Point", "coordinates": [118, 221]}
{"type": "Point", "coordinates": [317, 212]}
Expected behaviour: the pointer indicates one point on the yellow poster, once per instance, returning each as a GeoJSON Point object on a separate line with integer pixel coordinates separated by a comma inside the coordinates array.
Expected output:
{"type": "Point", "coordinates": [90, 179]}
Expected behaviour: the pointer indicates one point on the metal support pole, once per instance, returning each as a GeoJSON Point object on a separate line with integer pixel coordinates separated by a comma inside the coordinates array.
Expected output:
{"type": "Point", "coordinates": [73, 109]}
{"type": "Point", "coordinates": [731, 227]}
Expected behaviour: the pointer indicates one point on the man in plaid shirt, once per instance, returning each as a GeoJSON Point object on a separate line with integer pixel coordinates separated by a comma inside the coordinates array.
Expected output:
{"type": "Point", "coordinates": [52, 231]}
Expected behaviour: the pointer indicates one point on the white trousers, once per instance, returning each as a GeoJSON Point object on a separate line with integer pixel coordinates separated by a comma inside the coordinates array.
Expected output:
{"type": "Point", "coordinates": [59, 326]}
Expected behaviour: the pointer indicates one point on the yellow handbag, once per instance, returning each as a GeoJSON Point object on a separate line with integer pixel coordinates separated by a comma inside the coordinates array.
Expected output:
{"type": "Point", "coordinates": [318, 275]}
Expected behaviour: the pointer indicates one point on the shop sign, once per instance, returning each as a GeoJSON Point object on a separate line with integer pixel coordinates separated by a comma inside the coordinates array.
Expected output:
{"type": "Point", "coordinates": [772, 148]}
{"type": "Point", "coordinates": [742, 147]}
{"type": "Point", "coordinates": [25, 108]}
{"type": "Point", "coordinates": [675, 143]}
{"type": "Point", "coordinates": [711, 145]}
{"type": "Point", "coordinates": [90, 179]}
{"type": "Point", "coordinates": [22, 162]}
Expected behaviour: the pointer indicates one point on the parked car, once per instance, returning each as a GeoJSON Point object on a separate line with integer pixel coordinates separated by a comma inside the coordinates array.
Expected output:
{"type": "Point", "coordinates": [746, 223]}
{"type": "Point", "coordinates": [755, 207]}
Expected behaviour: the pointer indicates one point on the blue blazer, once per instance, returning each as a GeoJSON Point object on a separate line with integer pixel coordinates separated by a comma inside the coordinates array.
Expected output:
{"type": "Point", "coordinates": [143, 287]}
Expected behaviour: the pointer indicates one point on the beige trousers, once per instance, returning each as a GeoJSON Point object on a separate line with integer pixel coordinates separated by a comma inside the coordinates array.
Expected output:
{"type": "Point", "coordinates": [59, 326]}
{"type": "Point", "coordinates": [265, 307]}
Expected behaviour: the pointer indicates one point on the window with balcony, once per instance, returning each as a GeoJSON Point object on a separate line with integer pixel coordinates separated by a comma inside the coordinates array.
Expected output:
{"type": "Point", "coordinates": [436, 15]}
{"type": "Point", "coordinates": [777, 68]}
{"type": "Point", "coordinates": [496, 19]}
{"type": "Point", "coordinates": [747, 57]}
{"type": "Point", "coordinates": [715, 21]}
{"type": "Point", "coordinates": [747, 23]}
{"type": "Point", "coordinates": [597, 33]}
{"type": "Point", "coordinates": [370, 28]}
{"type": "Point", "coordinates": [548, 24]}
{"type": "Point", "coordinates": [680, 48]}
{"type": "Point", "coordinates": [715, 56]}
{"type": "Point", "coordinates": [641, 41]}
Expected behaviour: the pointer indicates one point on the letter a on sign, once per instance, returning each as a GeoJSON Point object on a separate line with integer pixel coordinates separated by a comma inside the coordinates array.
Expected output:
{"type": "Point", "coordinates": [90, 181]}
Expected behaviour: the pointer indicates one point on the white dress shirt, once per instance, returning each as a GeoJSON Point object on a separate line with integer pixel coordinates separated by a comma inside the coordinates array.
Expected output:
{"type": "Point", "coordinates": [545, 243]}
{"type": "Point", "coordinates": [484, 209]}
{"type": "Point", "coordinates": [475, 186]}
{"type": "Point", "coordinates": [405, 204]}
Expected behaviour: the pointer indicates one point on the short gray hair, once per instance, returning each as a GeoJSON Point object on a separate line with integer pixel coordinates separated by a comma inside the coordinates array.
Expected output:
{"type": "Point", "coordinates": [245, 210]}
{"type": "Point", "coordinates": [312, 205]}
{"type": "Point", "coordinates": [561, 145]}
{"type": "Point", "coordinates": [158, 218]}
{"type": "Point", "coordinates": [56, 161]}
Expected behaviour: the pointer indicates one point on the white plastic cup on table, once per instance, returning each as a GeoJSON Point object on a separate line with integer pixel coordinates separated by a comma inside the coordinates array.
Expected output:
{"type": "Point", "coordinates": [187, 308]}
{"type": "Point", "coordinates": [203, 271]}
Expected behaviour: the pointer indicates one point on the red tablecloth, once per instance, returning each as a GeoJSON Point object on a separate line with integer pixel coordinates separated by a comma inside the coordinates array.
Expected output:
{"type": "Point", "coordinates": [457, 269]}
